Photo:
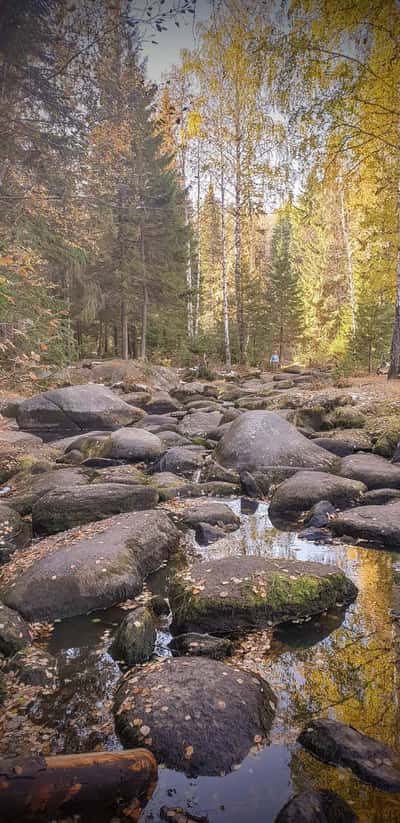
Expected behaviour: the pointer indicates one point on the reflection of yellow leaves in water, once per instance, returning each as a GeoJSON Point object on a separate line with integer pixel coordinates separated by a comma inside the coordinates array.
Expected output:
{"type": "Point", "coordinates": [351, 675]}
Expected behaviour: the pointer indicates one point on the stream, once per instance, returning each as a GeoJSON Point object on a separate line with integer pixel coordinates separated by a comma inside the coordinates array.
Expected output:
{"type": "Point", "coordinates": [340, 664]}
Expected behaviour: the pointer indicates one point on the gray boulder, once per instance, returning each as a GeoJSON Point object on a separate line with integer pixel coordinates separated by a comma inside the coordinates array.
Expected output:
{"type": "Point", "coordinates": [92, 567]}
{"type": "Point", "coordinates": [258, 440]}
{"type": "Point", "coordinates": [27, 489]}
{"type": "Point", "coordinates": [182, 461]}
{"type": "Point", "coordinates": [345, 442]}
{"type": "Point", "coordinates": [135, 637]}
{"type": "Point", "coordinates": [372, 761]}
{"type": "Point", "coordinates": [306, 488]}
{"type": "Point", "coordinates": [204, 714]}
{"type": "Point", "coordinates": [374, 471]}
{"type": "Point", "coordinates": [14, 632]}
{"type": "Point", "coordinates": [63, 509]}
{"type": "Point", "coordinates": [213, 513]}
{"type": "Point", "coordinates": [74, 409]}
{"type": "Point", "coordinates": [200, 423]}
{"type": "Point", "coordinates": [134, 445]}
{"type": "Point", "coordinates": [379, 525]}
{"type": "Point", "coordinates": [162, 403]}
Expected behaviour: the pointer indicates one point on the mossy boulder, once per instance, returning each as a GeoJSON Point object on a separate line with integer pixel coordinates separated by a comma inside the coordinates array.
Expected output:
{"type": "Point", "coordinates": [135, 637]}
{"type": "Point", "coordinates": [238, 594]}
{"type": "Point", "coordinates": [345, 417]}
{"type": "Point", "coordinates": [386, 444]}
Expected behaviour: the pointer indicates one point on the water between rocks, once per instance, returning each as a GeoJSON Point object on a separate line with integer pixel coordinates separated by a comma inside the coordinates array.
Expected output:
{"type": "Point", "coordinates": [344, 665]}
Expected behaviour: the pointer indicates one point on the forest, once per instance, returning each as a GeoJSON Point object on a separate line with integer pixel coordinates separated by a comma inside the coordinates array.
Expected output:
{"type": "Point", "coordinates": [246, 203]}
{"type": "Point", "coordinates": [199, 411]}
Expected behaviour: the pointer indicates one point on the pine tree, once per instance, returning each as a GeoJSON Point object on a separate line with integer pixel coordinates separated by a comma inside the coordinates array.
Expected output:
{"type": "Point", "coordinates": [284, 307]}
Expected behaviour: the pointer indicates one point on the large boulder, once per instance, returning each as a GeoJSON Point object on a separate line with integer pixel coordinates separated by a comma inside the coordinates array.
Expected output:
{"type": "Point", "coordinates": [301, 492]}
{"type": "Point", "coordinates": [379, 525]}
{"type": "Point", "coordinates": [27, 489]}
{"type": "Point", "coordinates": [372, 761]}
{"type": "Point", "coordinates": [196, 715]}
{"type": "Point", "coordinates": [63, 509]}
{"type": "Point", "coordinates": [135, 637]}
{"type": "Point", "coordinates": [134, 445]}
{"type": "Point", "coordinates": [259, 439]}
{"type": "Point", "coordinates": [74, 409]}
{"type": "Point", "coordinates": [15, 533]}
{"type": "Point", "coordinates": [238, 594]}
{"type": "Point", "coordinates": [321, 806]}
{"type": "Point", "coordinates": [91, 567]}
{"type": "Point", "coordinates": [374, 471]}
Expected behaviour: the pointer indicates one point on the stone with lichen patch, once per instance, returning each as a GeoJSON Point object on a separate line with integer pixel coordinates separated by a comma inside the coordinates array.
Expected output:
{"type": "Point", "coordinates": [238, 594]}
{"type": "Point", "coordinates": [196, 715]}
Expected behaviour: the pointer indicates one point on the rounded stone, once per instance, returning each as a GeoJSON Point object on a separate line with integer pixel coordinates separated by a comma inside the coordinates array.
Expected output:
{"type": "Point", "coordinates": [196, 715]}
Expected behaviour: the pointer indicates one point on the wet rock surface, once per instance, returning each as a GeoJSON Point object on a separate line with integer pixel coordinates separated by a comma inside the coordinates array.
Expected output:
{"type": "Point", "coordinates": [342, 745]}
{"type": "Point", "coordinates": [235, 594]}
{"type": "Point", "coordinates": [135, 637]}
{"type": "Point", "coordinates": [196, 715]}
{"type": "Point", "coordinates": [88, 568]}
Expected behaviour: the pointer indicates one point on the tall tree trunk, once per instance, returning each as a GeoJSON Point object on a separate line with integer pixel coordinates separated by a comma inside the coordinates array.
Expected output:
{"type": "Point", "coordinates": [228, 360]}
{"type": "Point", "coordinates": [124, 329]}
{"type": "Point", "coordinates": [145, 308]}
{"type": "Point", "coordinates": [198, 276]}
{"type": "Point", "coordinates": [238, 237]}
{"type": "Point", "coordinates": [189, 279]}
{"type": "Point", "coordinates": [349, 255]}
{"type": "Point", "coordinates": [394, 368]}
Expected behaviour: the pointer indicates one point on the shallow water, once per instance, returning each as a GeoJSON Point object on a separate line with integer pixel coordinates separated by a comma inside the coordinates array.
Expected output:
{"type": "Point", "coordinates": [340, 664]}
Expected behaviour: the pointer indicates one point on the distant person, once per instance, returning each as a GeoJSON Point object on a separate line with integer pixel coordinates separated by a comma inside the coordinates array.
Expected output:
{"type": "Point", "coordinates": [274, 361]}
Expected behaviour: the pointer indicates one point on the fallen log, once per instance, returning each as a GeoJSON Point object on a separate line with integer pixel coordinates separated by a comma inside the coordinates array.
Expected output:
{"type": "Point", "coordinates": [93, 786]}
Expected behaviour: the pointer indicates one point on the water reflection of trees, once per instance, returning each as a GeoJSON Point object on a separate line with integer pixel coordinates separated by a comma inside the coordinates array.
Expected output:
{"type": "Point", "coordinates": [353, 675]}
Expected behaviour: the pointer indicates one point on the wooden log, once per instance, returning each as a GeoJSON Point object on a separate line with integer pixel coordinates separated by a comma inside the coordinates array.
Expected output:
{"type": "Point", "coordinates": [94, 786]}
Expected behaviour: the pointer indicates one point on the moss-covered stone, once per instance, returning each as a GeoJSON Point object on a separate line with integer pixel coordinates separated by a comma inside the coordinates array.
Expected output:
{"type": "Point", "coordinates": [386, 443]}
{"type": "Point", "coordinates": [238, 594]}
{"type": "Point", "coordinates": [345, 417]}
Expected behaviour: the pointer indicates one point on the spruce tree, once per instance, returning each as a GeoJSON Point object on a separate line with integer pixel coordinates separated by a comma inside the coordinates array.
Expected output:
{"type": "Point", "coordinates": [284, 306]}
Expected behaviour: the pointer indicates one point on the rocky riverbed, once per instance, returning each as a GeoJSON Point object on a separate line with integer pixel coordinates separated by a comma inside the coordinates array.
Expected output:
{"type": "Point", "coordinates": [212, 567]}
